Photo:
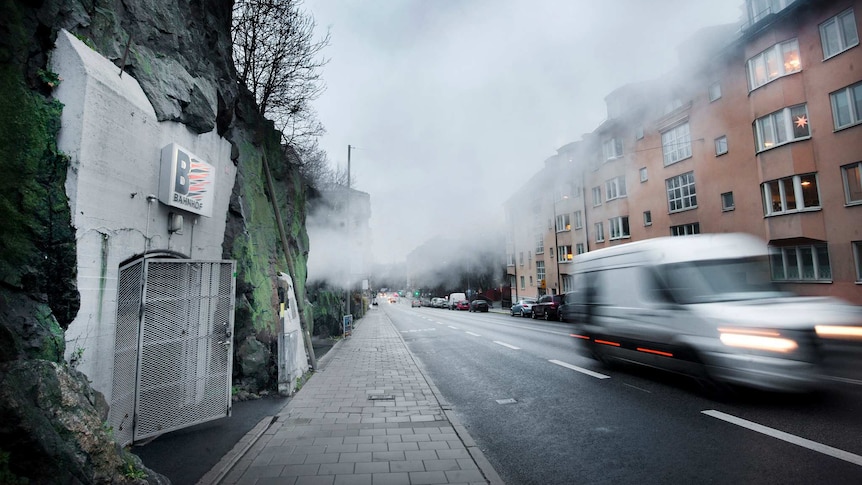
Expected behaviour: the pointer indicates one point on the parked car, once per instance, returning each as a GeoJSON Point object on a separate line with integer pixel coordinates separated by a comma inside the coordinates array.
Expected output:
{"type": "Point", "coordinates": [438, 302]}
{"type": "Point", "coordinates": [454, 298]}
{"type": "Point", "coordinates": [548, 307]}
{"type": "Point", "coordinates": [523, 308]}
{"type": "Point", "coordinates": [705, 306]}
{"type": "Point", "coordinates": [479, 305]}
{"type": "Point", "coordinates": [415, 303]}
{"type": "Point", "coordinates": [570, 309]}
{"type": "Point", "coordinates": [462, 305]}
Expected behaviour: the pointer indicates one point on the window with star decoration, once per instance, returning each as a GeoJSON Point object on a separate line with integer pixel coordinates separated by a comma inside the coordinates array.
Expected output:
{"type": "Point", "coordinates": [783, 126]}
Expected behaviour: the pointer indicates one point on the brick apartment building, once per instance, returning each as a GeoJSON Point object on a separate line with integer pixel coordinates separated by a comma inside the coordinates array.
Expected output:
{"type": "Point", "coordinates": [758, 130]}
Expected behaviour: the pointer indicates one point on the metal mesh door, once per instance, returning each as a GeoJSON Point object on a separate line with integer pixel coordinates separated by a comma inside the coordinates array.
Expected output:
{"type": "Point", "coordinates": [182, 344]}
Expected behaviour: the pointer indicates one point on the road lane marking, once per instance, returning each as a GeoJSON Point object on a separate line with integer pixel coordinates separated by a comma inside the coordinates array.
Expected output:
{"type": "Point", "coordinates": [473, 334]}
{"type": "Point", "coordinates": [506, 345]}
{"type": "Point", "coordinates": [579, 369]}
{"type": "Point", "coordinates": [638, 388]}
{"type": "Point", "coordinates": [793, 439]}
{"type": "Point", "coordinates": [455, 328]}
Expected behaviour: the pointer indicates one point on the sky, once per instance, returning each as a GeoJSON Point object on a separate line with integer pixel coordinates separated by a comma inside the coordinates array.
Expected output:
{"type": "Point", "coordinates": [452, 105]}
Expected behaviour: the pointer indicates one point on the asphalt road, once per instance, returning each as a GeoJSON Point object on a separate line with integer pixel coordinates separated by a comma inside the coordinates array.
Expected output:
{"type": "Point", "coordinates": [528, 398]}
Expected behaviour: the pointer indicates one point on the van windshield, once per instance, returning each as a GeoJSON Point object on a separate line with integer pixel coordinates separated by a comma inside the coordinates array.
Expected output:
{"type": "Point", "coordinates": [722, 280]}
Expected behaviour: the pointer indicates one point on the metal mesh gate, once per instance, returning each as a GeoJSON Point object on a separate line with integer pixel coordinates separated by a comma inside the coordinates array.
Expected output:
{"type": "Point", "coordinates": [173, 354]}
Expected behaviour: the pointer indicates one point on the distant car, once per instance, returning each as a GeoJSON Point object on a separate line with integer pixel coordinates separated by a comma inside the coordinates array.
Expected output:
{"type": "Point", "coordinates": [438, 302]}
{"type": "Point", "coordinates": [479, 305]}
{"type": "Point", "coordinates": [523, 308]}
{"type": "Point", "coordinates": [462, 305]}
{"type": "Point", "coordinates": [548, 307]}
{"type": "Point", "coordinates": [415, 303]}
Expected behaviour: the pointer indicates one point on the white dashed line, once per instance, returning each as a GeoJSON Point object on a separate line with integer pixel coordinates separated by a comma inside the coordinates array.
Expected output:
{"type": "Point", "coordinates": [796, 440]}
{"type": "Point", "coordinates": [473, 334]}
{"type": "Point", "coordinates": [506, 345]}
{"type": "Point", "coordinates": [454, 328]}
{"type": "Point", "coordinates": [579, 369]}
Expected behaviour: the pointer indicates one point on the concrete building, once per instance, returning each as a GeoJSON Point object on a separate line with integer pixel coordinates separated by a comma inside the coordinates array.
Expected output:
{"type": "Point", "coordinates": [756, 131]}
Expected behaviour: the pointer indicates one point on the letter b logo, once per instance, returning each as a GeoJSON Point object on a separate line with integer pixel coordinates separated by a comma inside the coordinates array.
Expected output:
{"type": "Point", "coordinates": [184, 165]}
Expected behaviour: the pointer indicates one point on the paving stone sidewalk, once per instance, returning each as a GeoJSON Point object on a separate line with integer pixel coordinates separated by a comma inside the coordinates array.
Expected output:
{"type": "Point", "coordinates": [367, 417]}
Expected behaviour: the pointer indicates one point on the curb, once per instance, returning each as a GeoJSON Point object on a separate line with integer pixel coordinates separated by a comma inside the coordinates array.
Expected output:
{"type": "Point", "coordinates": [476, 453]}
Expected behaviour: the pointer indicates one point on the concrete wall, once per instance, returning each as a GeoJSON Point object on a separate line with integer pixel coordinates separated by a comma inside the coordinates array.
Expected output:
{"type": "Point", "coordinates": [110, 132]}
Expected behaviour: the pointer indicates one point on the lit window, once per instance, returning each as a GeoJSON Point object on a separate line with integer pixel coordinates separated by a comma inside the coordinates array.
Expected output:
{"type": "Point", "coordinates": [579, 222]}
{"type": "Point", "coordinates": [600, 232]}
{"type": "Point", "coordinates": [800, 263]}
{"type": "Point", "coordinates": [647, 218]}
{"type": "Point", "coordinates": [791, 194]}
{"type": "Point", "coordinates": [714, 92]}
{"type": "Point", "coordinates": [564, 254]}
{"type": "Point", "coordinates": [676, 144]}
{"type": "Point", "coordinates": [847, 106]}
{"type": "Point", "coordinates": [727, 201]}
{"type": "Point", "coordinates": [612, 149]}
{"type": "Point", "coordinates": [597, 196]}
{"type": "Point", "coordinates": [644, 176]}
{"type": "Point", "coordinates": [619, 227]}
{"type": "Point", "coordinates": [852, 183]}
{"type": "Point", "coordinates": [783, 126]}
{"type": "Point", "coordinates": [563, 223]}
{"type": "Point", "coordinates": [681, 194]}
{"type": "Point", "coordinates": [720, 145]}
{"type": "Point", "coordinates": [615, 188]}
{"type": "Point", "coordinates": [779, 60]}
{"type": "Point", "coordinates": [838, 34]}
{"type": "Point", "coordinates": [685, 229]}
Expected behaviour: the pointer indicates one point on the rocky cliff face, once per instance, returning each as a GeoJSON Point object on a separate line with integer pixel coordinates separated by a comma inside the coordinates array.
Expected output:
{"type": "Point", "coordinates": [51, 423]}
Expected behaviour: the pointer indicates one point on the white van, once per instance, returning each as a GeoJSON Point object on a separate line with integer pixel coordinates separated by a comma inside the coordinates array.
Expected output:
{"type": "Point", "coordinates": [705, 306]}
{"type": "Point", "coordinates": [454, 298]}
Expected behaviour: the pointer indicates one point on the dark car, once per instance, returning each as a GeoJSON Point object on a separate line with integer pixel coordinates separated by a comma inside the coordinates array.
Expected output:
{"type": "Point", "coordinates": [573, 309]}
{"type": "Point", "coordinates": [548, 307]}
{"type": "Point", "coordinates": [462, 305]}
{"type": "Point", "coordinates": [523, 307]}
{"type": "Point", "coordinates": [479, 305]}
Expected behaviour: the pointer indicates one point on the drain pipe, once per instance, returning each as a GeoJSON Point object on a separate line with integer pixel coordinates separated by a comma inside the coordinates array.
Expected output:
{"type": "Point", "coordinates": [300, 302]}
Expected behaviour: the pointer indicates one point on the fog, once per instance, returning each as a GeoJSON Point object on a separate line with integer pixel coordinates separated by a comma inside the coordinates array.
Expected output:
{"type": "Point", "coordinates": [454, 105]}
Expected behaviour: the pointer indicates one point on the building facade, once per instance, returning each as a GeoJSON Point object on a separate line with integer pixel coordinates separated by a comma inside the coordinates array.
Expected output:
{"type": "Point", "coordinates": [758, 130]}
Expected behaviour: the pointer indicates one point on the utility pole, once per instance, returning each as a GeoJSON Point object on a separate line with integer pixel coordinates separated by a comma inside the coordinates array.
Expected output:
{"type": "Point", "coordinates": [347, 235]}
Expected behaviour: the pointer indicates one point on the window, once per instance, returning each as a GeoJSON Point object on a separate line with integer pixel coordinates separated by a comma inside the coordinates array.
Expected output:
{"type": "Point", "coordinates": [531, 280]}
{"type": "Point", "coordinates": [564, 254]}
{"type": "Point", "coordinates": [522, 283]}
{"type": "Point", "coordinates": [643, 173]}
{"type": "Point", "coordinates": [759, 9]}
{"type": "Point", "coordinates": [521, 258]}
{"type": "Point", "coordinates": [600, 232]}
{"type": "Point", "coordinates": [540, 243]}
{"type": "Point", "coordinates": [681, 192]}
{"type": "Point", "coordinates": [838, 34]}
{"type": "Point", "coordinates": [780, 127]}
{"type": "Point", "coordinates": [685, 229]}
{"type": "Point", "coordinates": [579, 222]}
{"type": "Point", "coordinates": [512, 281]}
{"type": "Point", "coordinates": [779, 60]}
{"type": "Point", "coordinates": [568, 283]}
{"type": "Point", "coordinates": [852, 183]}
{"type": "Point", "coordinates": [639, 133]}
{"type": "Point", "coordinates": [619, 227]}
{"type": "Point", "coordinates": [714, 92]}
{"type": "Point", "coordinates": [800, 263]}
{"type": "Point", "coordinates": [510, 259]}
{"type": "Point", "coordinates": [563, 223]}
{"type": "Point", "coordinates": [579, 248]}
{"type": "Point", "coordinates": [676, 144]}
{"type": "Point", "coordinates": [540, 271]}
{"type": "Point", "coordinates": [857, 256]}
{"type": "Point", "coordinates": [791, 194]}
{"type": "Point", "coordinates": [597, 196]}
{"type": "Point", "coordinates": [647, 218]}
{"type": "Point", "coordinates": [612, 149]}
{"type": "Point", "coordinates": [727, 201]}
{"type": "Point", "coordinates": [615, 188]}
{"type": "Point", "coordinates": [847, 106]}
{"type": "Point", "coordinates": [720, 145]}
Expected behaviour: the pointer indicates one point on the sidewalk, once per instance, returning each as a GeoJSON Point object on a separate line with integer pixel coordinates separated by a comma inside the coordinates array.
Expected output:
{"type": "Point", "coordinates": [368, 416]}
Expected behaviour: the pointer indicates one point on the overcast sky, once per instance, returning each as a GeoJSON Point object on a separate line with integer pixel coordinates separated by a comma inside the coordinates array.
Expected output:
{"type": "Point", "coordinates": [454, 104]}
